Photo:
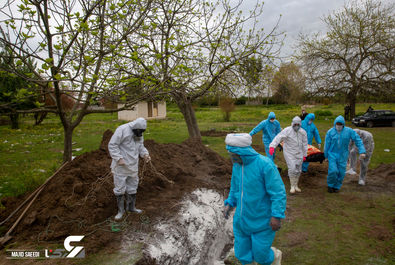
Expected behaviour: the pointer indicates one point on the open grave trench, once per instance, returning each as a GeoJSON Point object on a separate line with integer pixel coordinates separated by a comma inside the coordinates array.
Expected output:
{"type": "Point", "coordinates": [197, 234]}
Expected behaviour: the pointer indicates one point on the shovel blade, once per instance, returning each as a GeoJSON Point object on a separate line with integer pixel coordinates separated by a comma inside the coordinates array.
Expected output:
{"type": "Point", "coordinates": [4, 240]}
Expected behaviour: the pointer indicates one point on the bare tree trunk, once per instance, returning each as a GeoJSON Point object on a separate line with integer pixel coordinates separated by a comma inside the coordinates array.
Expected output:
{"type": "Point", "coordinates": [68, 148]}
{"type": "Point", "coordinates": [352, 100]}
{"type": "Point", "coordinates": [267, 98]}
{"type": "Point", "coordinates": [227, 116]}
{"type": "Point", "coordinates": [190, 118]}
{"type": "Point", "coordinates": [39, 117]}
{"type": "Point", "coordinates": [14, 120]}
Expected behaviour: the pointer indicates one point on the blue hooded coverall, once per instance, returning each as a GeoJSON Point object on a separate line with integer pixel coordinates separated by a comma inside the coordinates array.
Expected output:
{"type": "Point", "coordinates": [269, 131]}
{"type": "Point", "coordinates": [258, 193]}
{"type": "Point", "coordinates": [312, 132]}
{"type": "Point", "coordinates": [336, 151]}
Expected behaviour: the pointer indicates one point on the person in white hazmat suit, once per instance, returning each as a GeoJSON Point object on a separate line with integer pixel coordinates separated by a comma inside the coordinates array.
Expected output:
{"type": "Point", "coordinates": [367, 139]}
{"type": "Point", "coordinates": [125, 147]}
{"type": "Point", "coordinates": [295, 150]}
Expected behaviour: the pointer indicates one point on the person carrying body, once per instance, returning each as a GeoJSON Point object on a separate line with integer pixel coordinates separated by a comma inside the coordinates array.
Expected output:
{"type": "Point", "coordinates": [368, 143]}
{"type": "Point", "coordinates": [337, 141]}
{"type": "Point", "coordinates": [126, 147]}
{"type": "Point", "coordinates": [270, 128]}
{"type": "Point", "coordinates": [258, 193]}
{"type": "Point", "coordinates": [294, 149]}
{"type": "Point", "coordinates": [312, 132]}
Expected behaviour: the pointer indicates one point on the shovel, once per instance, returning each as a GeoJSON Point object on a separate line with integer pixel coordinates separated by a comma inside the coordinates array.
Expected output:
{"type": "Point", "coordinates": [8, 236]}
{"type": "Point", "coordinates": [31, 195]}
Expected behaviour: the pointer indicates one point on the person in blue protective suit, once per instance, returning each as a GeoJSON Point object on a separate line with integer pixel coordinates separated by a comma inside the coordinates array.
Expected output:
{"type": "Point", "coordinates": [336, 151]}
{"type": "Point", "coordinates": [312, 132]}
{"type": "Point", "coordinates": [270, 128]}
{"type": "Point", "coordinates": [258, 193]}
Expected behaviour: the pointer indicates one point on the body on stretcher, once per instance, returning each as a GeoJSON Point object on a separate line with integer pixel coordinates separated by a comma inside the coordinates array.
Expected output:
{"type": "Point", "coordinates": [313, 154]}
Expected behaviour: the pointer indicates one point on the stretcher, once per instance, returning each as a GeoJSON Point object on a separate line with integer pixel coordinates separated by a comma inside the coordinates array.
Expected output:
{"type": "Point", "coordinates": [313, 154]}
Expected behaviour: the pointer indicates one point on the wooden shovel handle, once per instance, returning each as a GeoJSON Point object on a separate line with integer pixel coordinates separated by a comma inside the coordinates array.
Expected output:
{"type": "Point", "coordinates": [23, 213]}
{"type": "Point", "coordinates": [31, 195]}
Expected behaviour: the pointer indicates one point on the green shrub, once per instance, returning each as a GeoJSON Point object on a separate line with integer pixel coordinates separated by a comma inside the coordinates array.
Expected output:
{"type": "Point", "coordinates": [227, 106]}
{"type": "Point", "coordinates": [269, 102]}
{"type": "Point", "coordinates": [208, 100]}
{"type": "Point", "coordinates": [321, 113]}
{"type": "Point", "coordinates": [283, 107]}
{"type": "Point", "coordinates": [241, 100]}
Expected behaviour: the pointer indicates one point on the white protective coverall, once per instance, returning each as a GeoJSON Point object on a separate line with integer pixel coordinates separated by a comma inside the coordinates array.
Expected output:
{"type": "Point", "coordinates": [367, 139]}
{"type": "Point", "coordinates": [124, 145]}
{"type": "Point", "coordinates": [294, 148]}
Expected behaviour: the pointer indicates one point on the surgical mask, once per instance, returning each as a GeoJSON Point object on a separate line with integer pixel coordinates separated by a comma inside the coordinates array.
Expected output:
{"type": "Point", "coordinates": [310, 122]}
{"type": "Point", "coordinates": [296, 127]}
{"type": "Point", "coordinates": [235, 158]}
{"type": "Point", "coordinates": [272, 120]}
{"type": "Point", "coordinates": [339, 127]}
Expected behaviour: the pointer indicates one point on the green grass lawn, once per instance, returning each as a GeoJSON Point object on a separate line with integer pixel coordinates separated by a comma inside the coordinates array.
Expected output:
{"type": "Point", "coordinates": [31, 154]}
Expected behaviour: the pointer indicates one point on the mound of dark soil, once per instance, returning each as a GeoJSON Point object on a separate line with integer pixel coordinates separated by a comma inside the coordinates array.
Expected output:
{"type": "Point", "coordinates": [380, 179]}
{"type": "Point", "coordinates": [79, 200]}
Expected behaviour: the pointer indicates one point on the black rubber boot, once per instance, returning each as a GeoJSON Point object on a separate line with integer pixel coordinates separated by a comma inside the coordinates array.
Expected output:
{"type": "Point", "coordinates": [330, 190]}
{"type": "Point", "coordinates": [131, 203]}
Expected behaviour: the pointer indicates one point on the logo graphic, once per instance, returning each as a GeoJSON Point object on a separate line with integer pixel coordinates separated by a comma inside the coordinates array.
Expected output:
{"type": "Point", "coordinates": [73, 250]}
{"type": "Point", "coordinates": [69, 251]}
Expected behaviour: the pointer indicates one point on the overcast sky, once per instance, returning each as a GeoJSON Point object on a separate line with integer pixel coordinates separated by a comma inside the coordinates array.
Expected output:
{"type": "Point", "coordinates": [298, 16]}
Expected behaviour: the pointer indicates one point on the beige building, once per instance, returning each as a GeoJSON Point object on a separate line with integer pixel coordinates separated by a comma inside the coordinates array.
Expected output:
{"type": "Point", "coordinates": [147, 110]}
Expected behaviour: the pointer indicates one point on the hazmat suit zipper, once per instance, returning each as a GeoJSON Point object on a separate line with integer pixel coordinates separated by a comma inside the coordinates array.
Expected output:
{"type": "Point", "coordinates": [338, 140]}
{"type": "Point", "coordinates": [241, 197]}
{"type": "Point", "coordinates": [297, 137]}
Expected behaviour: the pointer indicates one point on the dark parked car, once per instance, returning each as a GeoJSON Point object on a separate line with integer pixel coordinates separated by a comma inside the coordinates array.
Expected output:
{"type": "Point", "coordinates": [375, 118]}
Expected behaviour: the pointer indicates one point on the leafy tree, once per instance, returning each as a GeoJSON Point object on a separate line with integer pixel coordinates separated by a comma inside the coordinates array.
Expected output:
{"type": "Point", "coordinates": [251, 69]}
{"type": "Point", "coordinates": [80, 48]}
{"type": "Point", "coordinates": [16, 93]}
{"type": "Point", "coordinates": [266, 80]}
{"type": "Point", "coordinates": [288, 83]}
{"type": "Point", "coordinates": [355, 55]}
{"type": "Point", "coordinates": [188, 45]}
